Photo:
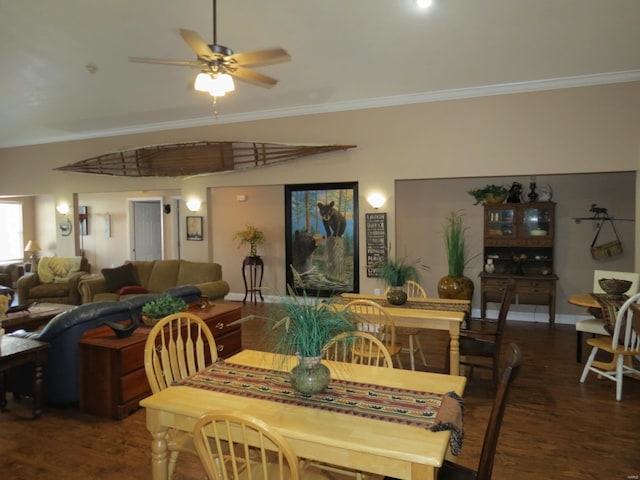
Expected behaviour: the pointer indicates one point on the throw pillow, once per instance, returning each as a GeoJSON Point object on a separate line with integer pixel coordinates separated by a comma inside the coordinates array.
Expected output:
{"type": "Point", "coordinates": [119, 277]}
{"type": "Point", "coordinates": [57, 269]}
{"type": "Point", "coordinates": [132, 290]}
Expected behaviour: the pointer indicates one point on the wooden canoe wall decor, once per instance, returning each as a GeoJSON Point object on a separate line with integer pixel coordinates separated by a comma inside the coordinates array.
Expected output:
{"type": "Point", "coordinates": [183, 159]}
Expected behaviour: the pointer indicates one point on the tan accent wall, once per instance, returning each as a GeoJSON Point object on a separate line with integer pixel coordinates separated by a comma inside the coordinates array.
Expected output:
{"type": "Point", "coordinates": [566, 131]}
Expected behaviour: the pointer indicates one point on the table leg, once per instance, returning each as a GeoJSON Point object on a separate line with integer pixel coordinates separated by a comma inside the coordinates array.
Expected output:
{"type": "Point", "coordinates": [422, 472]}
{"type": "Point", "coordinates": [37, 387]}
{"type": "Point", "coordinates": [3, 394]}
{"type": "Point", "coordinates": [454, 348]}
{"type": "Point", "coordinates": [159, 455]}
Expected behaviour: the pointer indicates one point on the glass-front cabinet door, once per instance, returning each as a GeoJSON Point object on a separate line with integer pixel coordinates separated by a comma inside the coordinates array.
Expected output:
{"type": "Point", "coordinates": [537, 222]}
{"type": "Point", "coordinates": [500, 222]}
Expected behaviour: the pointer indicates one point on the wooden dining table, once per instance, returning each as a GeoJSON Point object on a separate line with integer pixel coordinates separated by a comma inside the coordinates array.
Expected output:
{"type": "Point", "coordinates": [426, 313]}
{"type": "Point", "coordinates": [346, 439]}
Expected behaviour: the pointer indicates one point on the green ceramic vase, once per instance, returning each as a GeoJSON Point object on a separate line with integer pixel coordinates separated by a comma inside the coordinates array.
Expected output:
{"type": "Point", "coordinates": [310, 375]}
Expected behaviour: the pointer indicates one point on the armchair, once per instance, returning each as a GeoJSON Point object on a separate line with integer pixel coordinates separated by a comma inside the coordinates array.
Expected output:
{"type": "Point", "coordinates": [32, 288]}
{"type": "Point", "coordinates": [10, 273]}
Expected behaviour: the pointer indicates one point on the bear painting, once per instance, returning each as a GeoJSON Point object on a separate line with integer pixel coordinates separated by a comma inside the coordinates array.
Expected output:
{"type": "Point", "coordinates": [304, 244]}
{"type": "Point", "coordinates": [334, 222]}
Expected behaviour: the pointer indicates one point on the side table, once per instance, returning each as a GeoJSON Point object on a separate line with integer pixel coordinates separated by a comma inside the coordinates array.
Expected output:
{"type": "Point", "coordinates": [254, 267]}
{"type": "Point", "coordinates": [16, 351]}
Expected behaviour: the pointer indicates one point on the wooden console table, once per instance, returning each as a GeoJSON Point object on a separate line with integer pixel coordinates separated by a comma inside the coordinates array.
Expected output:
{"type": "Point", "coordinates": [255, 268]}
{"type": "Point", "coordinates": [112, 375]}
{"type": "Point", "coordinates": [16, 351]}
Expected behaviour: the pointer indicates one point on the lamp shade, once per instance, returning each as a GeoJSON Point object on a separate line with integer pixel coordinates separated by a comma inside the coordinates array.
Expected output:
{"type": "Point", "coordinates": [32, 246]}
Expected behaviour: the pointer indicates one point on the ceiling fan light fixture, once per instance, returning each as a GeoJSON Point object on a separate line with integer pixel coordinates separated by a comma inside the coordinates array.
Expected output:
{"type": "Point", "coordinates": [220, 85]}
{"type": "Point", "coordinates": [203, 82]}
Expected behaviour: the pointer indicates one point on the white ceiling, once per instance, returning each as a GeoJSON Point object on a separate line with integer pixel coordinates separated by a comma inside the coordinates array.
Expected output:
{"type": "Point", "coordinates": [345, 54]}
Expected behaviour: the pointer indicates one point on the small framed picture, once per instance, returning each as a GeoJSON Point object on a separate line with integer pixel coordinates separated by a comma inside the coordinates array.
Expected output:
{"type": "Point", "coordinates": [194, 228]}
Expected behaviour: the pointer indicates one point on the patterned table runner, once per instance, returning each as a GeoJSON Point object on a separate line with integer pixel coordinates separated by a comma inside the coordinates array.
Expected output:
{"type": "Point", "coordinates": [432, 411]}
{"type": "Point", "coordinates": [464, 306]}
{"type": "Point", "coordinates": [609, 306]}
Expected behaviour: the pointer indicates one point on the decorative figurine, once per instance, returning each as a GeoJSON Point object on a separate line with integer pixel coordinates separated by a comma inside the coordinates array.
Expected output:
{"type": "Point", "coordinates": [533, 196]}
{"type": "Point", "coordinates": [515, 193]}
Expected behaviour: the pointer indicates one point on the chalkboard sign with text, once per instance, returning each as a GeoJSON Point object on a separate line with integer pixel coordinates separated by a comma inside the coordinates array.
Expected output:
{"type": "Point", "coordinates": [376, 230]}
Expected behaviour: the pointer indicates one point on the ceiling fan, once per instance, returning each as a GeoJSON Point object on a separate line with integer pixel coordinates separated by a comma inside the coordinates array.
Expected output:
{"type": "Point", "coordinates": [218, 64]}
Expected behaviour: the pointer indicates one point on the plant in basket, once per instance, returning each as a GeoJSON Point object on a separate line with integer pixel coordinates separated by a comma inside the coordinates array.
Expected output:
{"type": "Point", "coordinates": [161, 307]}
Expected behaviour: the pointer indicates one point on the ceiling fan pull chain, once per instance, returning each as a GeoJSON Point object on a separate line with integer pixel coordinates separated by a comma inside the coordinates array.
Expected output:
{"type": "Point", "coordinates": [215, 107]}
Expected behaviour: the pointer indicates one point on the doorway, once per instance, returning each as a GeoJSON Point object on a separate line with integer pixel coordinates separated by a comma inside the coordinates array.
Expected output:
{"type": "Point", "coordinates": [146, 227]}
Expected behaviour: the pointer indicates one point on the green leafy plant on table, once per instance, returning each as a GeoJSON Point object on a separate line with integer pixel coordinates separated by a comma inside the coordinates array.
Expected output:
{"type": "Point", "coordinates": [303, 329]}
{"type": "Point", "coordinates": [161, 307]}
{"type": "Point", "coordinates": [395, 273]}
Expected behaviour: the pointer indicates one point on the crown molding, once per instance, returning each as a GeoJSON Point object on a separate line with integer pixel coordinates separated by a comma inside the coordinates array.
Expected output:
{"type": "Point", "coordinates": [379, 102]}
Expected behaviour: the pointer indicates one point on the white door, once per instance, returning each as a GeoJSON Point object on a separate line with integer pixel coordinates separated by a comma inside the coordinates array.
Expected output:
{"type": "Point", "coordinates": [147, 230]}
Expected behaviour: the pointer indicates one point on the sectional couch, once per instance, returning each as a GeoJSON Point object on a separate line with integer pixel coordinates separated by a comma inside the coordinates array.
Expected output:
{"type": "Point", "coordinates": [143, 277]}
{"type": "Point", "coordinates": [63, 332]}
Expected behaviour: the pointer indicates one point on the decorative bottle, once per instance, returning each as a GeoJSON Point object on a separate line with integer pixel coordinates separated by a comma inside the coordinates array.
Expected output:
{"type": "Point", "coordinates": [489, 267]}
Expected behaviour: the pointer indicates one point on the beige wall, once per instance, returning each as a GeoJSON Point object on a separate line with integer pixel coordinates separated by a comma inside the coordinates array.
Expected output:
{"type": "Point", "coordinates": [590, 129]}
{"type": "Point", "coordinates": [422, 205]}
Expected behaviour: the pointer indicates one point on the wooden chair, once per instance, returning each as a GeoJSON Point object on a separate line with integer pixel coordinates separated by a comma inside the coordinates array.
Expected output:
{"type": "Point", "coordinates": [177, 346]}
{"type": "Point", "coordinates": [595, 325]}
{"type": "Point", "coordinates": [482, 339]}
{"type": "Point", "coordinates": [358, 347]}
{"type": "Point", "coordinates": [354, 347]}
{"type": "Point", "coordinates": [372, 318]}
{"type": "Point", "coordinates": [415, 290]}
{"type": "Point", "coordinates": [238, 446]}
{"type": "Point", "coordinates": [624, 345]}
{"type": "Point", "coordinates": [453, 471]}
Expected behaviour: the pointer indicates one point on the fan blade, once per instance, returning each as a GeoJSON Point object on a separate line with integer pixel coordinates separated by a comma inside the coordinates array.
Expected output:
{"type": "Point", "coordinates": [250, 76]}
{"type": "Point", "coordinates": [260, 57]}
{"type": "Point", "coordinates": [160, 61]}
{"type": "Point", "coordinates": [197, 44]}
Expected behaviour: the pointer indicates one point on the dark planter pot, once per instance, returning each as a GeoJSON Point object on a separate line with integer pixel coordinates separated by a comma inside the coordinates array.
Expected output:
{"type": "Point", "coordinates": [460, 288]}
{"type": "Point", "coordinates": [396, 296]}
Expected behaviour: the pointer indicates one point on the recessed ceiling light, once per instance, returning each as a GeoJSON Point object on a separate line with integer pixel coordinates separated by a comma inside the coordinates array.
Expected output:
{"type": "Point", "coordinates": [424, 3]}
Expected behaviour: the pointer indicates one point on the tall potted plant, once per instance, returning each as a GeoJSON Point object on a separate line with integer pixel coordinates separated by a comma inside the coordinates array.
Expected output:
{"type": "Point", "coordinates": [455, 284]}
{"type": "Point", "coordinates": [395, 273]}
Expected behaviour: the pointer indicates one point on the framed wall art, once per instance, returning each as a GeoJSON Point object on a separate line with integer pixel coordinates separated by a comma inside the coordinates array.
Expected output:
{"type": "Point", "coordinates": [321, 222]}
{"type": "Point", "coordinates": [194, 228]}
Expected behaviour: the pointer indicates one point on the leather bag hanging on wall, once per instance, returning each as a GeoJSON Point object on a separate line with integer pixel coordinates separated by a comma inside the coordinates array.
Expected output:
{"type": "Point", "coordinates": [609, 249]}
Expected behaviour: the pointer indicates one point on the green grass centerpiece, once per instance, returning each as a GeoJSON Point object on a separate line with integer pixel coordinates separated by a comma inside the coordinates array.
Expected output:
{"type": "Point", "coordinates": [395, 273]}
{"type": "Point", "coordinates": [303, 329]}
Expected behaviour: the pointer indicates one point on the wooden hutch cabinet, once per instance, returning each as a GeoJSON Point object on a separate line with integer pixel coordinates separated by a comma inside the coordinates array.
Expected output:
{"type": "Point", "coordinates": [519, 240]}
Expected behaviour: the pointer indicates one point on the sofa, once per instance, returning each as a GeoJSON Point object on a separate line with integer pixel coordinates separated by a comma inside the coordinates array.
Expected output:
{"type": "Point", "coordinates": [56, 281]}
{"type": "Point", "coordinates": [144, 277]}
{"type": "Point", "coordinates": [64, 331]}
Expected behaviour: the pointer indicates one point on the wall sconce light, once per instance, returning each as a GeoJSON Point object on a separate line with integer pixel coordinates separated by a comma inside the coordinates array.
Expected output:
{"type": "Point", "coordinates": [63, 208]}
{"type": "Point", "coordinates": [376, 200]}
{"type": "Point", "coordinates": [194, 204]}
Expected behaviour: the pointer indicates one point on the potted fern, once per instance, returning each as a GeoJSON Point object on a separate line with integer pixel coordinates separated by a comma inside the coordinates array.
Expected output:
{"type": "Point", "coordinates": [395, 273]}
{"type": "Point", "coordinates": [455, 284]}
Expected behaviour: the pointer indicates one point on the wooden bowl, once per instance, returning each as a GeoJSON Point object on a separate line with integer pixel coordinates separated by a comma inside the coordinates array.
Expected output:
{"type": "Point", "coordinates": [614, 286]}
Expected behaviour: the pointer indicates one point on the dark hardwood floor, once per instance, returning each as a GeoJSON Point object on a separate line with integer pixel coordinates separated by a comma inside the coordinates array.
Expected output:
{"type": "Point", "coordinates": [554, 427]}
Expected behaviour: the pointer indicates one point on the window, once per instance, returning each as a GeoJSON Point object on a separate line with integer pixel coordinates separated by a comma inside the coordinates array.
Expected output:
{"type": "Point", "coordinates": [11, 238]}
